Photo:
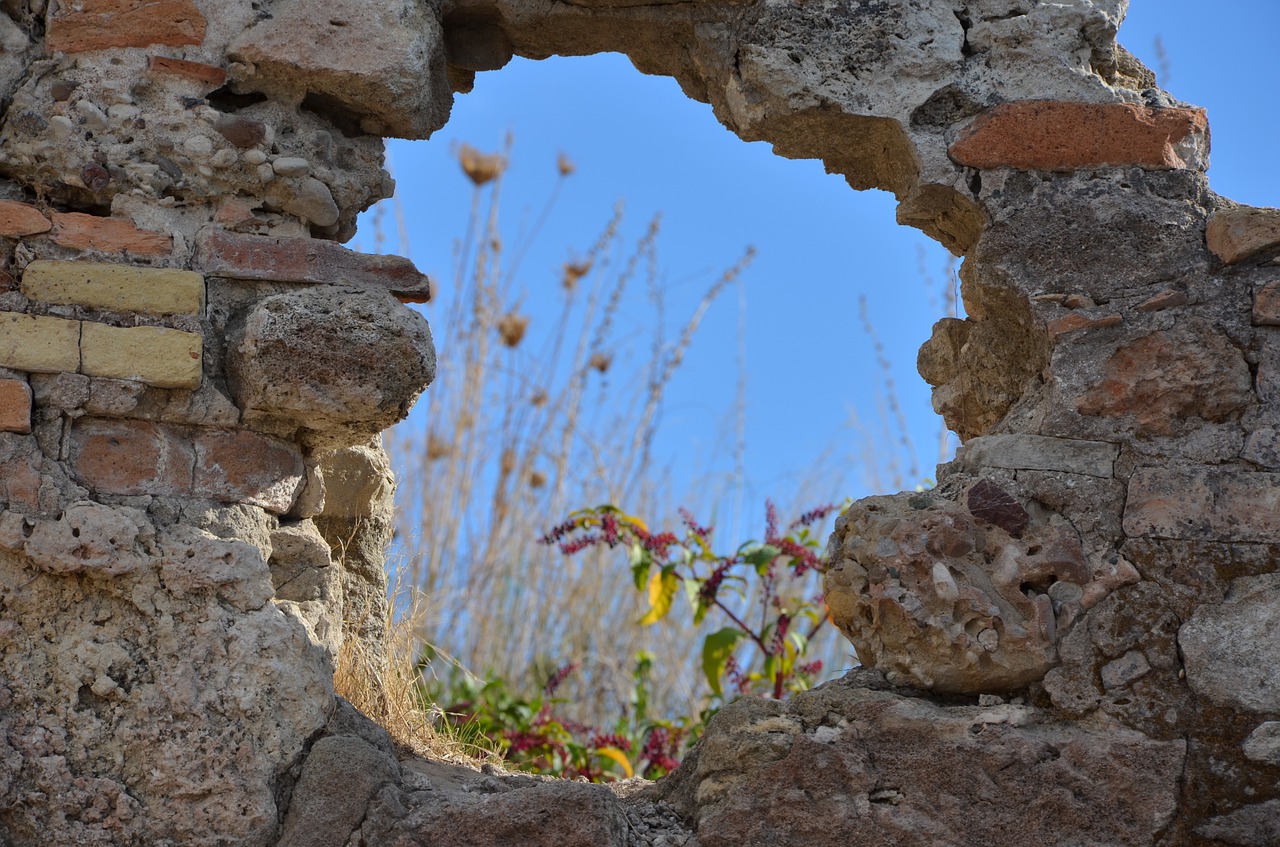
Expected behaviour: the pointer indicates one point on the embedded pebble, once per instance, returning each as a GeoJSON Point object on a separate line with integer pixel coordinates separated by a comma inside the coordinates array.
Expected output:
{"type": "Point", "coordinates": [989, 639]}
{"type": "Point", "coordinates": [1263, 744]}
{"type": "Point", "coordinates": [255, 157]}
{"type": "Point", "coordinates": [1124, 670]}
{"type": "Point", "coordinates": [62, 89]}
{"type": "Point", "coordinates": [198, 146]}
{"type": "Point", "coordinates": [224, 158]}
{"type": "Point", "coordinates": [314, 202]}
{"type": "Point", "coordinates": [61, 126]}
{"type": "Point", "coordinates": [121, 112]}
{"type": "Point", "coordinates": [1063, 591]}
{"type": "Point", "coordinates": [291, 166]}
{"type": "Point", "coordinates": [242, 132]}
{"type": "Point", "coordinates": [94, 118]}
{"type": "Point", "coordinates": [266, 173]}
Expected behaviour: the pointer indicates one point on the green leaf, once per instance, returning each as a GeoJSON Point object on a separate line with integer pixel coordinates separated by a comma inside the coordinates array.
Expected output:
{"type": "Point", "coordinates": [640, 559]}
{"type": "Point", "coordinates": [716, 650]}
{"type": "Point", "coordinates": [662, 590]}
{"type": "Point", "coordinates": [760, 557]}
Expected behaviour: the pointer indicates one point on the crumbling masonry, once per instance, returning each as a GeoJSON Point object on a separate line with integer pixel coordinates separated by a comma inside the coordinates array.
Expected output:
{"type": "Point", "coordinates": [1072, 640]}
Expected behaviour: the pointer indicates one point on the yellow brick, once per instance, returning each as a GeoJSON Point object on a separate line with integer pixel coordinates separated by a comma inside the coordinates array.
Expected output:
{"type": "Point", "coordinates": [121, 288]}
{"type": "Point", "coordinates": [39, 344]}
{"type": "Point", "coordinates": [166, 358]}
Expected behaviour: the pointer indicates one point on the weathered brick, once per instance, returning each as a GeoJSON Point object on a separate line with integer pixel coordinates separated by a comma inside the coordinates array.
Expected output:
{"type": "Point", "coordinates": [19, 219]}
{"type": "Point", "coordinates": [1266, 304]}
{"type": "Point", "coordinates": [305, 260]}
{"type": "Point", "coordinates": [210, 74]}
{"type": "Point", "coordinates": [15, 405]}
{"type": "Point", "coordinates": [245, 467]}
{"type": "Point", "coordinates": [1050, 135]}
{"type": "Point", "coordinates": [107, 235]}
{"type": "Point", "coordinates": [39, 344]}
{"type": "Point", "coordinates": [1204, 504]}
{"type": "Point", "coordinates": [1080, 320]}
{"type": "Point", "coordinates": [104, 24]}
{"type": "Point", "coordinates": [121, 288]}
{"type": "Point", "coordinates": [1237, 233]}
{"type": "Point", "coordinates": [166, 358]}
{"type": "Point", "coordinates": [20, 462]}
{"type": "Point", "coordinates": [131, 457]}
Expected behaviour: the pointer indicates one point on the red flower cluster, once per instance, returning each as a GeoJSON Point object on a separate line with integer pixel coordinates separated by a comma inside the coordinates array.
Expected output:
{"type": "Point", "coordinates": [700, 531]}
{"type": "Point", "coordinates": [559, 677]}
{"type": "Point", "coordinates": [609, 739]}
{"type": "Point", "coordinates": [661, 747]}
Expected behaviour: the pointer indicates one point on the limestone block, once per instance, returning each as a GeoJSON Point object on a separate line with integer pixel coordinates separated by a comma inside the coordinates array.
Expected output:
{"type": "Point", "coordinates": [844, 764]}
{"type": "Point", "coordinates": [1209, 504]}
{"type": "Point", "coordinates": [340, 777]}
{"type": "Point", "coordinates": [165, 358]}
{"type": "Point", "coordinates": [1236, 233]}
{"type": "Point", "coordinates": [103, 24]}
{"type": "Point", "coordinates": [15, 405]}
{"type": "Point", "coordinates": [1230, 649]}
{"type": "Point", "coordinates": [195, 561]}
{"type": "Point", "coordinates": [120, 288]}
{"type": "Point", "coordinates": [19, 219]}
{"type": "Point", "coordinates": [90, 537]}
{"type": "Point", "coordinates": [306, 260]}
{"type": "Point", "coordinates": [107, 235]}
{"type": "Point", "coordinates": [1037, 452]}
{"type": "Point", "coordinates": [131, 457]}
{"type": "Point", "coordinates": [39, 344]}
{"type": "Point", "coordinates": [245, 467]}
{"type": "Point", "coordinates": [1062, 136]}
{"type": "Point", "coordinates": [379, 63]}
{"type": "Point", "coordinates": [341, 364]}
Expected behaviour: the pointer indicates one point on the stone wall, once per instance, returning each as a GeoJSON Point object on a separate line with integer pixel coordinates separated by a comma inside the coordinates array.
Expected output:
{"type": "Point", "coordinates": [1072, 639]}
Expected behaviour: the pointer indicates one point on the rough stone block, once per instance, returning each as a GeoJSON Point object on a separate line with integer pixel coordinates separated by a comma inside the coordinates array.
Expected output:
{"type": "Point", "coordinates": [104, 24]}
{"type": "Point", "coordinates": [211, 75]}
{"type": "Point", "coordinates": [15, 405]}
{"type": "Point", "coordinates": [340, 777]}
{"type": "Point", "coordinates": [39, 344]}
{"type": "Point", "coordinates": [1263, 744]}
{"type": "Point", "coordinates": [1204, 504]}
{"type": "Point", "coordinates": [1239, 232]}
{"type": "Point", "coordinates": [20, 462]}
{"type": "Point", "coordinates": [131, 457]}
{"type": "Point", "coordinates": [165, 358]}
{"type": "Point", "coordinates": [19, 219]}
{"type": "Point", "coordinates": [1230, 650]}
{"type": "Point", "coordinates": [107, 235]}
{"type": "Point", "coordinates": [1046, 135]}
{"type": "Point", "coordinates": [120, 288]}
{"type": "Point", "coordinates": [245, 467]}
{"type": "Point", "coordinates": [1266, 304]}
{"type": "Point", "coordinates": [1038, 452]}
{"type": "Point", "coordinates": [306, 260]}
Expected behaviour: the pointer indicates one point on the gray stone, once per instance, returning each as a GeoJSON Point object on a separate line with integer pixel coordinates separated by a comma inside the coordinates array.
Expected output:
{"type": "Point", "coordinates": [1038, 452]}
{"type": "Point", "coordinates": [1231, 649]}
{"type": "Point", "coordinates": [1263, 744]}
{"type": "Point", "coordinates": [341, 774]}
{"type": "Point", "coordinates": [1124, 670]}
{"type": "Point", "coordinates": [1257, 825]}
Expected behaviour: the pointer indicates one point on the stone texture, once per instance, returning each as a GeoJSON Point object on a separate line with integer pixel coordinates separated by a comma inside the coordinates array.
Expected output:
{"type": "Point", "coordinates": [844, 764]}
{"type": "Point", "coordinates": [87, 538]}
{"type": "Point", "coordinates": [1037, 452]}
{"type": "Point", "coordinates": [1231, 650]}
{"type": "Point", "coordinates": [210, 75]}
{"type": "Point", "coordinates": [1211, 504]}
{"type": "Point", "coordinates": [376, 63]}
{"type": "Point", "coordinates": [120, 288]}
{"type": "Point", "coordinates": [15, 405]}
{"type": "Point", "coordinates": [19, 219]}
{"type": "Point", "coordinates": [102, 24]}
{"type": "Point", "coordinates": [245, 467]}
{"type": "Point", "coordinates": [20, 466]}
{"type": "Point", "coordinates": [331, 361]}
{"type": "Point", "coordinates": [131, 457]}
{"type": "Point", "coordinates": [1263, 744]}
{"type": "Point", "coordinates": [165, 358]}
{"type": "Point", "coordinates": [107, 235]}
{"type": "Point", "coordinates": [1237, 232]}
{"type": "Point", "coordinates": [1256, 825]}
{"type": "Point", "coordinates": [39, 344]}
{"type": "Point", "coordinates": [1063, 136]}
{"type": "Point", "coordinates": [254, 257]}
{"type": "Point", "coordinates": [1266, 304]}
{"type": "Point", "coordinates": [340, 777]}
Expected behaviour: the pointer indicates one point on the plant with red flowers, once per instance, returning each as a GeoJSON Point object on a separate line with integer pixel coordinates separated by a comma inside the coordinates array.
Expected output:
{"type": "Point", "coordinates": [771, 609]}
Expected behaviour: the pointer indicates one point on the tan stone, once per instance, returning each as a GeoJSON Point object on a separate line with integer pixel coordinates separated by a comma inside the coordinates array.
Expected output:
{"type": "Point", "coordinates": [19, 472]}
{"type": "Point", "coordinates": [1237, 233]}
{"type": "Point", "coordinates": [131, 457]}
{"type": "Point", "coordinates": [39, 344]}
{"type": "Point", "coordinates": [245, 467]}
{"type": "Point", "coordinates": [166, 358]}
{"type": "Point", "coordinates": [1205, 504]}
{"type": "Point", "coordinates": [210, 74]}
{"type": "Point", "coordinates": [1266, 304]}
{"type": "Point", "coordinates": [1048, 135]}
{"type": "Point", "coordinates": [102, 24]}
{"type": "Point", "coordinates": [107, 235]}
{"type": "Point", "coordinates": [120, 288]}
{"type": "Point", "coordinates": [15, 405]}
{"type": "Point", "coordinates": [19, 219]}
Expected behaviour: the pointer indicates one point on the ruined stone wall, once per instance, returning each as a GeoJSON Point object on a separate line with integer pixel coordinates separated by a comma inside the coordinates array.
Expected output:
{"type": "Point", "coordinates": [1071, 640]}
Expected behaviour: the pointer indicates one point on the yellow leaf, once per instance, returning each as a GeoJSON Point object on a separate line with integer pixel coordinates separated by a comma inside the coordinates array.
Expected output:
{"type": "Point", "coordinates": [662, 590]}
{"type": "Point", "coordinates": [619, 757]}
{"type": "Point", "coordinates": [636, 522]}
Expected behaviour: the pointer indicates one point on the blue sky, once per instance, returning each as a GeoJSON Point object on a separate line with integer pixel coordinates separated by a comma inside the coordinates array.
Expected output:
{"type": "Point", "coordinates": [820, 245]}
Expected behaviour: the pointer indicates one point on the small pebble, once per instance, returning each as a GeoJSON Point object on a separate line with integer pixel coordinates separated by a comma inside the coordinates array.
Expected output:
{"type": "Point", "coordinates": [266, 173]}
{"type": "Point", "coordinates": [61, 126]}
{"type": "Point", "coordinates": [255, 157]}
{"type": "Point", "coordinates": [94, 118]}
{"type": "Point", "coordinates": [291, 166]}
{"type": "Point", "coordinates": [122, 112]}
{"type": "Point", "coordinates": [62, 89]}
{"type": "Point", "coordinates": [224, 158]}
{"type": "Point", "coordinates": [242, 132]}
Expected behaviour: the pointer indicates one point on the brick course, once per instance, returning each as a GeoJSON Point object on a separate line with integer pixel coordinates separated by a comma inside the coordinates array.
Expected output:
{"type": "Point", "coordinates": [166, 358]}
{"type": "Point", "coordinates": [107, 235]}
{"type": "Point", "coordinates": [121, 288]}
{"type": "Point", "coordinates": [15, 405]}
{"type": "Point", "coordinates": [19, 219]}
{"type": "Point", "coordinates": [1237, 233]}
{"type": "Point", "coordinates": [102, 24]}
{"type": "Point", "coordinates": [39, 344]}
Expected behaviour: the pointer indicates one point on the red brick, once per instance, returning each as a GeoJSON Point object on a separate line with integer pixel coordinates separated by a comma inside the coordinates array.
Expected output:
{"type": "Point", "coordinates": [107, 235]}
{"type": "Point", "coordinates": [305, 260]}
{"type": "Point", "coordinates": [1050, 135]}
{"type": "Point", "coordinates": [208, 74]}
{"type": "Point", "coordinates": [15, 405]}
{"type": "Point", "coordinates": [132, 457]}
{"type": "Point", "coordinates": [1079, 320]}
{"type": "Point", "coordinates": [1237, 233]}
{"type": "Point", "coordinates": [19, 472]}
{"type": "Point", "coordinates": [19, 219]}
{"type": "Point", "coordinates": [238, 466]}
{"type": "Point", "coordinates": [1266, 304]}
{"type": "Point", "coordinates": [104, 24]}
